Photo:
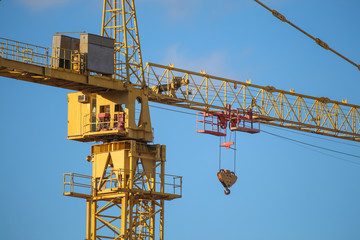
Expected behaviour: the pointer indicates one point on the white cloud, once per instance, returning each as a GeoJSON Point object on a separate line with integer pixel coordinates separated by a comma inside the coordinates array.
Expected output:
{"type": "Point", "coordinates": [42, 4]}
{"type": "Point", "coordinates": [180, 8]}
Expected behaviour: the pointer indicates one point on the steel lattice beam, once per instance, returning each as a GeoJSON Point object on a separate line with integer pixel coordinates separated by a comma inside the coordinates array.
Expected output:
{"type": "Point", "coordinates": [203, 92]}
{"type": "Point", "coordinates": [119, 22]}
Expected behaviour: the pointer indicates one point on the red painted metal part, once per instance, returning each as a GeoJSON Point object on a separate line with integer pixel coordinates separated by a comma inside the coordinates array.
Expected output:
{"type": "Point", "coordinates": [215, 123]}
{"type": "Point", "coordinates": [227, 145]}
{"type": "Point", "coordinates": [243, 121]}
{"type": "Point", "coordinates": [104, 115]}
{"type": "Point", "coordinates": [209, 123]}
{"type": "Point", "coordinates": [104, 121]}
{"type": "Point", "coordinates": [119, 121]}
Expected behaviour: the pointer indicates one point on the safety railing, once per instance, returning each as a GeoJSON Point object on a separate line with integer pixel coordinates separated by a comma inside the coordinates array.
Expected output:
{"type": "Point", "coordinates": [78, 184]}
{"type": "Point", "coordinates": [24, 52]}
{"type": "Point", "coordinates": [210, 124]}
{"type": "Point", "coordinates": [91, 123]}
{"type": "Point", "coordinates": [46, 57]}
{"type": "Point", "coordinates": [119, 178]}
{"type": "Point", "coordinates": [84, 186]}
{"type": "Point", "coordinates": [245, 125]}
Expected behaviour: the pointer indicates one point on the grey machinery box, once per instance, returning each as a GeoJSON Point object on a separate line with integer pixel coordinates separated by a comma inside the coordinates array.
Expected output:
{"type": "Point", "coordinates": [61, 50]}
{"type": "Point", "coordinates": [100, 53]}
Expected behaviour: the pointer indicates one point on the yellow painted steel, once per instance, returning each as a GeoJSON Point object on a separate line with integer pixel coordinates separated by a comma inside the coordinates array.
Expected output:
{"type": "Point", "coordinates": [125, 194]}
{"type": "Point", "coordinates": [119, 22]}
{"type": "Point", "coordinates": [40, 66]}
{"type": "Point", "coordinates": [203, 92]}
{"type": "Point", "coordinates": [193, 90]}
{"type": "Point", "coordinates": [127, 190]}
{"type": "Point", "coordinates": [84, 123]}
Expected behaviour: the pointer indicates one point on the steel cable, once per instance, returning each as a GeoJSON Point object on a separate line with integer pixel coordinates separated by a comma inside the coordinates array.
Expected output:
{"type": "Point", "coordinates": [317, 40]}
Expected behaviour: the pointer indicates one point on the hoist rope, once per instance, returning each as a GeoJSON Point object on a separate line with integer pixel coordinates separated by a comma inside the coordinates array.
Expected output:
{"type": "Point", "coordinates": [232, 148]}
{"type": "Point", "coordinates": [317, 40]}
{"type": "Point", "coordinates": [219, 153]}
{"type": "Point", "coordinates": [235, 148]}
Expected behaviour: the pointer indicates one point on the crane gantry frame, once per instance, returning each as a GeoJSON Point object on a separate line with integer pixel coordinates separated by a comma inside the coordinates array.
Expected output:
{"type": "Point", "coordinates": [181, 88]}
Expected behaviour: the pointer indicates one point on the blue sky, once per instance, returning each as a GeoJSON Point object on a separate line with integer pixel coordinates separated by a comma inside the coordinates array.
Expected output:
{"type": "Point", "coordinates": [284, 190]}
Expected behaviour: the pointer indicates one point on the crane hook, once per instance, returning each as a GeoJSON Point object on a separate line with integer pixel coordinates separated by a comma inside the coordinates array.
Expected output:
{"type": "Point", "coordinates": [227, 178]}
{"type": "Point", "coordinates": [227, 191]}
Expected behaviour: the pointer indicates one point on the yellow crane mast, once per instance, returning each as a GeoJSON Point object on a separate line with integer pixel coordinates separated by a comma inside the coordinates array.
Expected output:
{"type": "Point", "coordinates": [126, 193]}
{"type": "Point", "coordinates": [119, 22]}
{"type": "Point", "coordinates": [128, 186]}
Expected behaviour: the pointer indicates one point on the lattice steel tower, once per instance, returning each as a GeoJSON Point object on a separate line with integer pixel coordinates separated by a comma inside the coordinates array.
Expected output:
{"type": "Point", "coordinates": [119, 22]}
{"type": "Point", "coordinates": [128, 183]}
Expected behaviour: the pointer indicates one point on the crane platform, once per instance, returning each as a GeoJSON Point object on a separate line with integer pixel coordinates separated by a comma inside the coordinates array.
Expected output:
{"type": "Point", "coordinates": [35, 64]}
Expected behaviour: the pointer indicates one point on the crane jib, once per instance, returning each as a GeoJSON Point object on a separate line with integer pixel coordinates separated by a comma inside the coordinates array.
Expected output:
{"type": "Point", "coordinates": [192, 90]}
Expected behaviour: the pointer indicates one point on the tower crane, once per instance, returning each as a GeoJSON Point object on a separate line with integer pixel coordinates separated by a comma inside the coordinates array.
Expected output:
{"type": "Point", "coordinates": [128, 188]}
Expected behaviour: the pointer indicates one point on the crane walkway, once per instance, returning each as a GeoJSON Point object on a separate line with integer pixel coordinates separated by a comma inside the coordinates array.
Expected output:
{"type": "Point", "coordinates": [36, 64]}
